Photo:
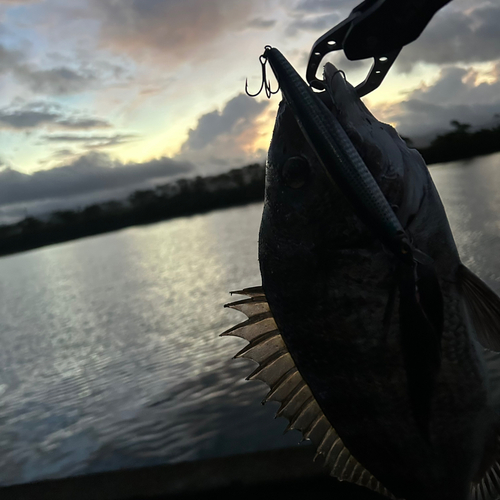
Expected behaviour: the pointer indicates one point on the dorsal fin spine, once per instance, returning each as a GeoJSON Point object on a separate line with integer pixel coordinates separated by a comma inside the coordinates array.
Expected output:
{"type": "Point", "coordinates": [321, 447]}
{"type": "Point", "coordinates": [298, 404]}
{"type": "Point", "coordinates": [270, 361]}
{"type": "Point", "coordinates": [328, 455]}
{"type": "Point", "coordinates": [298, 389]}
{"type": "Point", "coordinates": [293, 420]}
{"type": "Point", "coordinates": [289, 374]}
{"type": "Point", "coordinates": [341, 461]}
{"type": "Point", "coordinates": [251, 321]}
{"type": "Point", "coordinates": [257, 342]}
{"type": "Point", "coordinates": [312, 425]}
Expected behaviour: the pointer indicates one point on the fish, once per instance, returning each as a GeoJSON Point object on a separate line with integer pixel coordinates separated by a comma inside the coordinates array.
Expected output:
{"type": "Point", "coordinates": [368, 329]}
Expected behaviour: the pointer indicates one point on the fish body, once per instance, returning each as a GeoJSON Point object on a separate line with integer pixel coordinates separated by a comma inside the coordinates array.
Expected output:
{"type": "Point", "coordinates": [330, 284]}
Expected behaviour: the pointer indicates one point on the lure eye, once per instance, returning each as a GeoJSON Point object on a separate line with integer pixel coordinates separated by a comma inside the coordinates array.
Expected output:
{"type": "Point", "coordinates": [295, 172]}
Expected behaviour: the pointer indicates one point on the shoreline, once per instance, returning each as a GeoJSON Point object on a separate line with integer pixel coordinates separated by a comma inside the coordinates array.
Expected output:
{"type": "Point", "coordinates": [288, 473]}
{"type": "Point", "coordinates": [6, 252]}
{"type": "Point", "coordinates": [182, 198]}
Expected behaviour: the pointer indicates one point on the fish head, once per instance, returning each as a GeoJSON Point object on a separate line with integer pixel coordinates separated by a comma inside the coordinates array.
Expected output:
{"type": "Point", "coordinates": [300, 200]}
{"type": "Point", "coordinates": [307, 219]}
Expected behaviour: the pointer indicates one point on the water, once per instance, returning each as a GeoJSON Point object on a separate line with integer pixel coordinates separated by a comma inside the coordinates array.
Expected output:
{"type": "Point", "coordinates": [110, 353]}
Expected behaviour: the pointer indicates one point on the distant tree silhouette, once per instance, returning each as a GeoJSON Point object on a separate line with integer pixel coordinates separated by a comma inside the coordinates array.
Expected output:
{"type": "Point", "coordinates": [461, 143]}
{"type": "Point", "coordinates": [182, 197]}
{"type": "Point", "coordinates": [30, 225]}
{"type": "Point", "coordinates": [140, 199]}
{"type": "Point", "coordinates": [460, 128]}
{"type": "Point", "coordinates": [64, 217]}
{"type": "Point", "coordinates": [92, 212]}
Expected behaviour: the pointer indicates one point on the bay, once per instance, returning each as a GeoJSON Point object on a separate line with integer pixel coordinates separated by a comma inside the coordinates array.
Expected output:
{"type": "Point", "coordinates": [110, 355]}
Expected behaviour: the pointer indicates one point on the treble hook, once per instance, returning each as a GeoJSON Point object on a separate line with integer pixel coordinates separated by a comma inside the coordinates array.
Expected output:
{"type": "Point", "coordinates": [266, 84]}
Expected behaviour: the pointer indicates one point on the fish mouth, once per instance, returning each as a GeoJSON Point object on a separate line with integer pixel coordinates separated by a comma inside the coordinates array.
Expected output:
{"type": "Point", "coordinates": [336, 90]}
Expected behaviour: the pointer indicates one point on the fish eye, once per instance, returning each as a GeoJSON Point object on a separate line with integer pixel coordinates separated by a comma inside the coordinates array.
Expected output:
{"type": "Point", "coordinates": [295, 172]}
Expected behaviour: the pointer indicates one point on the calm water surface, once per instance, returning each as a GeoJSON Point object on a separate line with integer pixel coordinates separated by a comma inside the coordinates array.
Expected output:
{"type": "Point", "coordinates": [110, 352]}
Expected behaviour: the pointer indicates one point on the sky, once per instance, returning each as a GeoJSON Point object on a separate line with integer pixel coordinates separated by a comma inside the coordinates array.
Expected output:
{"type": "Point", "coordinates": [101, 97]}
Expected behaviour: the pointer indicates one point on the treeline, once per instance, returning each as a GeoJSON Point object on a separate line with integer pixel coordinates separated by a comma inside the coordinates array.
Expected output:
{"type": "Point", "coordinates": [178, 198]}
{"type": "Point", "coordinates": [191, 196]}
{"type": "Point", "coordinates": [461, 143]}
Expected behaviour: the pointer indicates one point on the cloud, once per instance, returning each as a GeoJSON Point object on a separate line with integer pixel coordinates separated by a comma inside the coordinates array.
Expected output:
{"type": "Point", "coordinates": [92, 141]}
{"type": "Point", "coordinates": [321, 6]}
{"type": "Point", "coordinates": [457, 85]}
{"type": "Point", "coordinates": [455, 36]}
{"type": "Point", "coordinates": [88, 174]}
{"type": "Point", "coordinates": [62, 153]}
{"type": "Point", "coordinates": [171, 29]}
{"type": "Point", "coordinates": [237, 114]}
{"type": "Point", "coordinates": [261, 23]}
{"type": "Point", "coordinates": [40, 114]}
{"type": "Point", "coordinates": [9, 59]}
{"type": "Point", "coordinates": [456, 95]}
{"type": "Point", "coordinates": [61, 80]}
{"type": "Point", "coordinates": [17, 2]}
{"type": "Point", "coordinates": [315, 23]}
{"type": "Point", "coordinates": [54, 81]}
{"type": "Point", "coordinates": [61, 75]}
{"type": "Point", "coordinates": [229, 137]}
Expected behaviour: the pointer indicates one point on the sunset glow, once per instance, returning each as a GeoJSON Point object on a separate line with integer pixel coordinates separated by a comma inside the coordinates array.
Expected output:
{"type": "Point", "coordinates": [131, 81]}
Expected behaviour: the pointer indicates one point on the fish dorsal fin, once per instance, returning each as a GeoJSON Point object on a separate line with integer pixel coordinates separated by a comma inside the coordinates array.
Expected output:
{"type": "Point", "coordinates": [488, 488]}
{"type": "Point", "coordinates": [483, 305]}
{"type": "Point", "coordinates": [298, 405]}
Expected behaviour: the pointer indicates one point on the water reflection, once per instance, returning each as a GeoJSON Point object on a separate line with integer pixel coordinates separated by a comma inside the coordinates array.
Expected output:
{"type": "Point", "coordinates": [470, 191]}
{"type": "Point", "coordinates": [110, 350]}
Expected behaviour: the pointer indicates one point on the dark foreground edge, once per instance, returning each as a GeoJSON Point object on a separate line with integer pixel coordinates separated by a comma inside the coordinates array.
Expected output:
{"type": "Point", "coordinates": [281, 474]}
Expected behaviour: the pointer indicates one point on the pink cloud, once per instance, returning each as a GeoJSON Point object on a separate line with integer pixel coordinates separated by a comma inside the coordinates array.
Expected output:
{"type": "Point", "coordinates": [168, 29]}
